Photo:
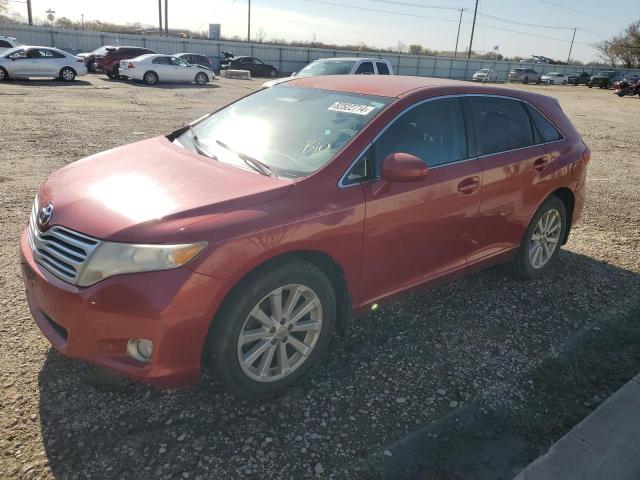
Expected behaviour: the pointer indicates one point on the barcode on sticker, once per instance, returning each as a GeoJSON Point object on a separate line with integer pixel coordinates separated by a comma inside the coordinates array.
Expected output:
{"type": "Point", "coordinates": [351, 108]}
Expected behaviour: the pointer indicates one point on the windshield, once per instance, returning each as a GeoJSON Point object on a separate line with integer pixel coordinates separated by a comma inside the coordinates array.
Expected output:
{"type": "Point", "coordinates": [292, 131]}
{"type": "Point", "coordinates": [327, 67]}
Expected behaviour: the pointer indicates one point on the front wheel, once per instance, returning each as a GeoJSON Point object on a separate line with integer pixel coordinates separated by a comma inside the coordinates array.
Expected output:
{"type": "Point", "coordinates": [526, 80]}
{"type": "Point", "coordinates": [3, 74]}
{"type": "Point", "coordinates": [67, 74]}
{"type": "Point", "coordinates": [201, 79]}
{"type": "Point", "coordinates": [272, 329]}
{"type": "Point", "coordinates": [542, 240]}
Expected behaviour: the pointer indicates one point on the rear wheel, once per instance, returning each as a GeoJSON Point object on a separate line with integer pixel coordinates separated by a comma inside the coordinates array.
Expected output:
{"type": "Point", "coordinates": [273, 73]}
{"type": "Point", "coordinates": [201, 79]}
{"type": "Point", "coordinates": [271, 330]}
{"type": "Point", "coordinates": [3, 74]}
{"type": "Point", "coordinates": [542, 240]}
{"type": "Point", "coordinates": [150, 78]}
{"type": "Point", "coordinates": [526, 80]}
{"type": "Point", "coordinates": [67, 74]}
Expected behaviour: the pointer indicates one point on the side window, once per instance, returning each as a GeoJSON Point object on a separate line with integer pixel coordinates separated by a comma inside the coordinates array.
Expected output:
{"type": "Point", "coordinates": [18, 54]}
{"type": "Point", "coordinates": [383, 69]}
{"type": "Point", "coordinates": [365, 68]}
{"type": "Point", "coordinates": [501, 124]}
{"type": "Point", "coordinates": [161, 61]}
{"type": "Point", "coordinates": [546, 131]}
{"type": "Point", "coordinates": [433, 131]}
{"type": "Point", "coordinates": [5, 44]}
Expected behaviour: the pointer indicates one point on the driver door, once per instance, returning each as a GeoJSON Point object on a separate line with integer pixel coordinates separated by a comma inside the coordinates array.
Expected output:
{"type": "Point", "coordinates": [182, 71]}
{"type": "Point", "coordinates": [24, 63]}
{"type": "Point", "coordinates": [420, 230]}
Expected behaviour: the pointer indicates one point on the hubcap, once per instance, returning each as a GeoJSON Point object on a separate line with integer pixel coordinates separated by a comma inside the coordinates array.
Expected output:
{"type": "Point", "coordinates": [545, 238]}
{"type": "Point", "coordinates": [280, 333]}
{"type": "Point", "coordinates": [67, 75]}
{"type": "Point", "coordinates": [201, 80]}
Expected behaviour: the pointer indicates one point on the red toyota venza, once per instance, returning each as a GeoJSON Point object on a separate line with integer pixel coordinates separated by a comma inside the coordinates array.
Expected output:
{"type": "Point", "coordinates": [243, 240]}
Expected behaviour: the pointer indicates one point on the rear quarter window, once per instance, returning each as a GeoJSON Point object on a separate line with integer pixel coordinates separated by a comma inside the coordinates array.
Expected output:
{"type": "Point", "coordinates": [545, 129]}
{"type": "Point", "coordinates": [383, 69]}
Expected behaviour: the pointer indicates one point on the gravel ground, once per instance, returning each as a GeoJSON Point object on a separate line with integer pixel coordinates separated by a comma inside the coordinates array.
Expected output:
{"type": "Point", "coordinates": [395, 371]}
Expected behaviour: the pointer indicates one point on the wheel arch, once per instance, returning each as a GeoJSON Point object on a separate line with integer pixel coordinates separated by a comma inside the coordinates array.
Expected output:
{"type": "Point", "coordinates": [319, 259]}
{"type": "Point", "coordinates": [568, 198]}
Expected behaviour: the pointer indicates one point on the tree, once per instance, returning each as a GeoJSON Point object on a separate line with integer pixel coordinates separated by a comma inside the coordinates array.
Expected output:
{"type": "Point", "coordinates": [416, 49]}
{"type": "Point", "coordinates": [4, 7]}
{"type": "Point", "coordinates": [261, 35]}
{"type": "Point", "coordinates": [606, 51]}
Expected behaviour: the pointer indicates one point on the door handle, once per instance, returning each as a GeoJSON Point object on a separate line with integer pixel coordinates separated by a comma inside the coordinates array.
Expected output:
{"type": "Point", "coordinates": [540, 163]}
{"type": "Point", "coordinates": [469, 185]}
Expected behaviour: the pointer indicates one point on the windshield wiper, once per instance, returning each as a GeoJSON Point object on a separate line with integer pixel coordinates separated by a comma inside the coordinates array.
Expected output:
{"type": "Point", "coordinates": [254, 163]}
{"type": "Point", "coordinates": [198, 144]}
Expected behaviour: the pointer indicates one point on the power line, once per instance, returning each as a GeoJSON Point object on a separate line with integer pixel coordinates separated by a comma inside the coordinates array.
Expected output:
{"type": "Point", "coordinates": [417, 5]}
{"type": "Point", "coordinates": [575, 10]}
{"type": "Point", "coordinates": [506, 20]}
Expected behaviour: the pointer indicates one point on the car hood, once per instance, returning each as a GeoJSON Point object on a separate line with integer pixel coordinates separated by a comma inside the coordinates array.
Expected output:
{"type": "Point", "coordinates": [146, 191]}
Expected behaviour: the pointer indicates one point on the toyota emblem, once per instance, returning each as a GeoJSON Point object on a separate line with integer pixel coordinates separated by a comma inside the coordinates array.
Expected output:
{"type": "Point", "coordinates": [44, 215]}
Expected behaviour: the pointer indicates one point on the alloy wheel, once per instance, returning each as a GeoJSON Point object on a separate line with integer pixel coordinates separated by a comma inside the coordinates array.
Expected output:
{"type": "Point", "coordinates": [68, 75]}
{"type": "Point", "coordinates": [201, 79]}
{"type": "Point", "coordinates": [545, 238]}
{"type": "Point", "coordinates": [280, 333]}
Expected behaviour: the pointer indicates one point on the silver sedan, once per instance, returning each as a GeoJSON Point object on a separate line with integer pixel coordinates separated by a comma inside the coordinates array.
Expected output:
{"type": "Point", "coordinates": [155, 68]}
{"type": "Point", "coordinates": [25, 62]}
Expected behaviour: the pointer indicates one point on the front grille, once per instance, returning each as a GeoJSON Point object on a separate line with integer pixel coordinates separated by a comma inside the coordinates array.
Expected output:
{"type": "Point", "coordinates": [61, 251]}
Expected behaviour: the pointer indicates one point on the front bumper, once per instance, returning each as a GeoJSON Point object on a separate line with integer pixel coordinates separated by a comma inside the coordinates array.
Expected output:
{"type": "Point", "coordinates": [172, 308]}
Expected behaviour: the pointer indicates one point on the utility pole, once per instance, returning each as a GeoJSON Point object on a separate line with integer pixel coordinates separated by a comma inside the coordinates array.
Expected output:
{"type": "Point", "coordinates": [571, 47]}
{"type": "Point", "coordinates": [82, 16]}
{"type": "Point", "coordinates": [249, 24]}
{"type": "Point", "coordinates": [29, 14]}
{"type": "Point", "coordinates": [160, 17]}
{"type": "Point", "coordinates": [473, 28]}
{"type": "Point", "coordinates": [455, 54]}
{"type": "Point", "coordinates": [166, 17]}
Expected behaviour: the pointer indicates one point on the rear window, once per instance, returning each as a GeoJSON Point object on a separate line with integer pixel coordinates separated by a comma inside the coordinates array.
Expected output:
{"type": "Point", "coordinates": [383, 69]}
{"type": "Point", "coordinates": [545, 129]}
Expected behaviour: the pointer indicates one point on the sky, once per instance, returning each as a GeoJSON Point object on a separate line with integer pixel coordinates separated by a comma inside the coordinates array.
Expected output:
{"type": "Point", "coordinates": [523, 28]}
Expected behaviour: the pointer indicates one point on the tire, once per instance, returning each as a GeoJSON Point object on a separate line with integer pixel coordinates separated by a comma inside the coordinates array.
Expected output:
{"type": "Point", "coordinates": [4, 75]}
{"type": "Point", "coordinates": [67, 74]}
{"type": "Point", "coordinates": [223, 350]}
{"type": "Point", "coordinates": [201, 79]}
{"type": "Point", "coordinates": [539, 81]}
{"type": "Point", "coordinates": [524, 263]}
{"type": "Point", "coordinates": [151, 78]}
{"type": "Point", "coordinates": [526, 80]}
{"type": "Point", "coordinates": [620, 94]}
{"type": "Point", "coordinates": [115, 73]}
{"type": "Point", "coordinates": [564, 82]}
{"type": "Point", "coordinates": [590, 85]}
{"type": "Point", "coordinates": [273, 73]}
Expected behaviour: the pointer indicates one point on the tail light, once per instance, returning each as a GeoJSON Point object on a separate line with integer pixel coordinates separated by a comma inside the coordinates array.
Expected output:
{"type": "Point", "coordinates": [131, 65]}
{"type": "Point", "coordinates": [578, 168]}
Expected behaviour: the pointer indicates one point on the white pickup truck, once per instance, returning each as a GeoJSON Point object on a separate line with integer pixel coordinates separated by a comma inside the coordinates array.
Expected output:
{"type": "Point", "coordinates": [339, 66]}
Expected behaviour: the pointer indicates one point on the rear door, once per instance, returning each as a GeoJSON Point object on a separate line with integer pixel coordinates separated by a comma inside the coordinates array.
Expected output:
{"type": "Point", "coordinates": [165, 70]}
{"type": "Point", "coordinates": [512, 159]}
{"type": "Point", "coordinates": [420, 230]}
{"type": "Point", "coordinates": [50, 62]}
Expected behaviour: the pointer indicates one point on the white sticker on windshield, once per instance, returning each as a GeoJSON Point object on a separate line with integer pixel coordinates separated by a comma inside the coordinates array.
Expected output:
{"type": "Point", "coordinates": [351, 108]}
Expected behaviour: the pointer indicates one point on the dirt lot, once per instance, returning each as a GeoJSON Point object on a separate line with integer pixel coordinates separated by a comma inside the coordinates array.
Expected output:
{"type": "Point", "coordinates": [396, 371]}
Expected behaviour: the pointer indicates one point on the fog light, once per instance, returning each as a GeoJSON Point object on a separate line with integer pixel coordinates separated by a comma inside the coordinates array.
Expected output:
{"type": "Point", "coordinates": [140, 349]}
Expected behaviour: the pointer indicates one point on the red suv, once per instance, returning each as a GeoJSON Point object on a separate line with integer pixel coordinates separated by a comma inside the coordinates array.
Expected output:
{"type": "Point", "coordinates": [243, 240]}
{"type": "Point", "coordinates": [109, 63]}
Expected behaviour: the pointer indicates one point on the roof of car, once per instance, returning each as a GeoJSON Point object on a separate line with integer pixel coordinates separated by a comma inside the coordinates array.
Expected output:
{"type": "Point", "coordinates": [381, 85]}
{"type": "Point", "coordinates": [354, 59]}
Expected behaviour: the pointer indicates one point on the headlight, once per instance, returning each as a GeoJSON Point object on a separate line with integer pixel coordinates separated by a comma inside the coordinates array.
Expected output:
{"type": "Point", "coordinates": [112, 258]}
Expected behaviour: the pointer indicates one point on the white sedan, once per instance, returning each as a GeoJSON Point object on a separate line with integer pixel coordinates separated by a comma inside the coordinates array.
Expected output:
{"type": "Point", "coordinates": [485, 75]}
{"type": "Point", "coordinates": [152, 69]}
{"type": "Point", "coordinates": [554, 78]}
{"type": "Point", "coordinates": [25, 62]}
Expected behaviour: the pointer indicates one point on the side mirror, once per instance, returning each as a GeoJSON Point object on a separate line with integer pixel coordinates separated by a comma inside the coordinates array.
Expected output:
{"type": "Point", "coordinates": [403, 167]}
